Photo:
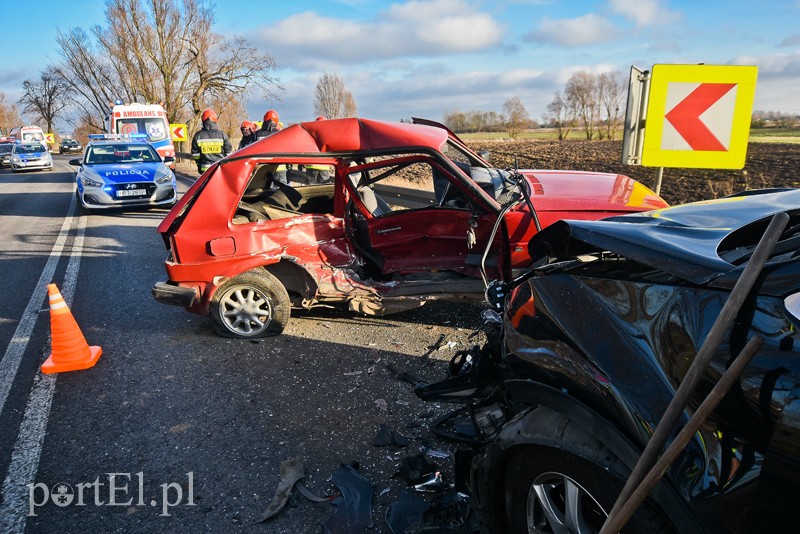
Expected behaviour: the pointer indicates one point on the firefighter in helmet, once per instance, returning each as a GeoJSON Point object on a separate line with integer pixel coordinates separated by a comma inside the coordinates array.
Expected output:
{"type": "Point", "coordinates": [209, 144]}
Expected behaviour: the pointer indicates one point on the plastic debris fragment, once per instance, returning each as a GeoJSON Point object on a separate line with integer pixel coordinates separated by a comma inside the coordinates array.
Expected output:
{"type": "Point", "coordinates": [354, 507]}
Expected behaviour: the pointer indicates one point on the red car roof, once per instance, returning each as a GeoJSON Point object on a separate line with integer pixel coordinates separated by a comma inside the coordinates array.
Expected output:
{"type": "Point", "coordinates": [347, 135]}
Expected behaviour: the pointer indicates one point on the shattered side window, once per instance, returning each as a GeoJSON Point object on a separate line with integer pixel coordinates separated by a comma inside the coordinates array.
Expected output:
{"type": "Point", "coordinates": [463, 159]}
{"type": "Point", "coordinates": [403, 184]}
{"type": "Point", "coordinates": [283, 191]}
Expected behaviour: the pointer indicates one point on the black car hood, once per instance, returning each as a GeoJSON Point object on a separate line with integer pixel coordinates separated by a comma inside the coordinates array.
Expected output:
{"type": "Point", "coordinates": [685, 240]}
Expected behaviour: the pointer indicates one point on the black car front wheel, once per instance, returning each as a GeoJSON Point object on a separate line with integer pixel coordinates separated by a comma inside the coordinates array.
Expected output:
{"type": "Point", "coordinates": [552, 491]}
{"type": "Point", "coordinates": [252, 305]}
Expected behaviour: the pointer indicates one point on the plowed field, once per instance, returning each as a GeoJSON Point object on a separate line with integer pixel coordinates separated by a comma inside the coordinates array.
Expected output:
{"type": "Point", "coordinates": [767, 165]}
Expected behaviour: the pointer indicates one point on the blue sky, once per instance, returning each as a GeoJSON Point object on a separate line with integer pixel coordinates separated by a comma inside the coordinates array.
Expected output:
{"type": "Point", "coordinates": [423, 58]}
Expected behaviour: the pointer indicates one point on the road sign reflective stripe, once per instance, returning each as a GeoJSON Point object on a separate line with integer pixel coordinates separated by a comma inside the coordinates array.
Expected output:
{"type": "Point", "coordinates": [685, 116]}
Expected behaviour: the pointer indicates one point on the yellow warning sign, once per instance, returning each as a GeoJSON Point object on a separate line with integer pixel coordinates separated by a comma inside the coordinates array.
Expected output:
{"type": "Point", "coordinates": [698, 116]}
{"type": "Point", "coordinates": [178, 132]}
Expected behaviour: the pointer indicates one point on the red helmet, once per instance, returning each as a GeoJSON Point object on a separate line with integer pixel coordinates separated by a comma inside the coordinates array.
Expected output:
{"type": "Point", "coordinates": [209, 114]}
{"type": "Point", "coordinates": [320, 118]}
{"type": "Point", "coordinates": [271, 115]}
{"type": "Point", "coordinates": [248, 126]}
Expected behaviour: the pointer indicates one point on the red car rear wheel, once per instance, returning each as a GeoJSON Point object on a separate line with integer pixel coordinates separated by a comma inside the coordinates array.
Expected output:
{"type": "Point", "coordinates": [252, 305]}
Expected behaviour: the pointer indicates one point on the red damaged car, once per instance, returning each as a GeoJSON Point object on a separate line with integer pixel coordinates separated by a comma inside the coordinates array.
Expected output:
{"type": "Point", "coordinates": [381, 216]}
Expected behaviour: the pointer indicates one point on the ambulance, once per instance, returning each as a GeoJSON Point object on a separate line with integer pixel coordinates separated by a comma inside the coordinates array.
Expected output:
{"type": "Point", "coordinates": [26, 134]}
{"type": "Point", "coordinates": [150, 119]}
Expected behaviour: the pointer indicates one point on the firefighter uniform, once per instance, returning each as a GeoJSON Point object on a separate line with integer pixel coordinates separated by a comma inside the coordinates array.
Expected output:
{"type": "Point", "coordinates": [209, 144]}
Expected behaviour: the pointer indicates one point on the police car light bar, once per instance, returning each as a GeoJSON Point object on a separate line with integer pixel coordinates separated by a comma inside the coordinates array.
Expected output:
{"type": "Point", "coordinates": [117, 136]}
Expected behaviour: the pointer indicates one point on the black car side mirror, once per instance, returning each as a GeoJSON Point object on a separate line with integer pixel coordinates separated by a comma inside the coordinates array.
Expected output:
{"type": "Point", "coordinates": [168, 159]}
{"type": "Point", "coordinates": [75, 162]}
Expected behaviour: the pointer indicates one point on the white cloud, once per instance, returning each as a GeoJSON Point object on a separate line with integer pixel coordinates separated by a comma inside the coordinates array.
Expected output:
{"type": "Point", "coordinates": [421, 91]}
{"type": "Point", "coordinates": [519, 77]}
{"type": "Point", "coordinates": [421, 28]}
{"type": "Point", "coordinates": [581, 31]}
{"type": "Point", "coordinates": [644, 12]}
{"type": "Point", "coordinates": [791, 41]}
{"type": "Point", "coordinates": [773, 66]}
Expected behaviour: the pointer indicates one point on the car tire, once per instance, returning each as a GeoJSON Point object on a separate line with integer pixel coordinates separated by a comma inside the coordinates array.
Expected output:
{"type": "Point", "coordinates": [252, 305]}
{"type": "Point", "coordinates": [538, 481]}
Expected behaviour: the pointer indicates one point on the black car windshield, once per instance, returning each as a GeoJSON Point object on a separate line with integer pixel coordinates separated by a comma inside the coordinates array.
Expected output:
{"type": "Point", "coordinates": [28, 149]}
{"type": "Point", "coordinates": [6, 148]}
{"type": "Point", "coordinates": [120, 153]}
{"type": "Point", "coordinates": [69, 142]}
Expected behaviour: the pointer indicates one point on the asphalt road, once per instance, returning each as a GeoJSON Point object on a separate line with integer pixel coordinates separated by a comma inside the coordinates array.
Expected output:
{"type": "Point", "coordinates": [176, 429]}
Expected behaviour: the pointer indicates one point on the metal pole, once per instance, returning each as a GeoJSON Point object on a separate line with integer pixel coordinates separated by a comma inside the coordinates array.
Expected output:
{"type": "Point", "coordinates": [646, 79]}
{"type": "Point", "coordinates": [659, 176]}
{"type": "Point", "coordinates": [615, 522]}
{"type": "Point", "coordinates": [687, 386]}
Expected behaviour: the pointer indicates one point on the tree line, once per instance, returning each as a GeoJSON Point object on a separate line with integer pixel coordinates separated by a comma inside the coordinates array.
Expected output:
{"type": "Point", "coordinates": [593, 103]}
{"type": "Point", "coordinates": [514, 119]}
{"type": "Point", "coordinates": [157, 51]}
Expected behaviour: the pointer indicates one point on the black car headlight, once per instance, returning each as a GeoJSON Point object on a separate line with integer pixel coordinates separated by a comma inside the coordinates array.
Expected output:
{"type": "Point", "coordinates": [90, 182]}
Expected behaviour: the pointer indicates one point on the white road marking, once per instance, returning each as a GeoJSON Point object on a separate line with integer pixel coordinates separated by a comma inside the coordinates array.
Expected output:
{"type": "Point", "coordinates": [22, 335]}
{"type": "Point", "coordinates": [27, 451]}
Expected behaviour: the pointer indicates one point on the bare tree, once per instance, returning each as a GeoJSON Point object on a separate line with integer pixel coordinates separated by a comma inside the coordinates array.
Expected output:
{"type": "Point", "coordinates": [231, 113]}
{"type": "Point", "coordinates": [44, 99]}
{"type": "Point", "coordinates": [9, 115]}
{"type": "Point", "coordinates": [456, 121]}
{"type": "Point", "coordinates": [611, 94]}
{"type": "Point", "coordinates": [83, 126]}
{"type": "Point", "coordinates": [90, 75]}
{"type": "Point", "coordinates": [332, 100]}
{"type": "Point", "coordinates": [161, 51]}
{"type": "Point", "coordinates": [474, 121]}
{"type": "Point", "coordinates": [516, 116]}
{"type": "Point", "coordinates": [561, 115]}
{"type": "Point", "coordinates": [581, 94]}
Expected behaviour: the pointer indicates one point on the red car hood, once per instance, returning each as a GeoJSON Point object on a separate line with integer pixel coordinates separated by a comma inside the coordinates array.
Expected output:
{"type": "Point", "coordinates": [564, 191]}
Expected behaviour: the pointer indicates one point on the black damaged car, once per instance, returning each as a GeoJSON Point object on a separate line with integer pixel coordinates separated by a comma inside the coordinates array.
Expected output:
{"type": "Point", "coordinates": [589, 351]}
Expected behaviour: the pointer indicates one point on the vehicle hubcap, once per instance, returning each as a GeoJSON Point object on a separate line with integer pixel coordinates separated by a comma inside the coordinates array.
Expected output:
{"type": "Point", "coordinates": [559, 505]}
{"type": "Point", "coordinates": [246, 311]}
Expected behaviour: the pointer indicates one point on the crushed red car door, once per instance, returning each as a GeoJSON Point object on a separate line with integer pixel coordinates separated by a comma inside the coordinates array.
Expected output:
{"type": "Point", "coordinates": [410, 215]}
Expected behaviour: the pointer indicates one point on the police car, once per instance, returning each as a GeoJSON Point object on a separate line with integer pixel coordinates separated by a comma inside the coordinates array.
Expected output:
{"type": "Point", "coordinates": [123, 170]}
{"type": "Point", "coordinates": [30, 155]}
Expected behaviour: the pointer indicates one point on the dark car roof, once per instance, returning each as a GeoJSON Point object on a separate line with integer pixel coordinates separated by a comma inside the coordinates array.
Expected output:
{"type": "Point", "coordinates": [697, 242]}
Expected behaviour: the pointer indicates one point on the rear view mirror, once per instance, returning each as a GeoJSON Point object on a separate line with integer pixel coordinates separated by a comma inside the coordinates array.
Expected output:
{"type": "Point", "coordinates": [75, 162]}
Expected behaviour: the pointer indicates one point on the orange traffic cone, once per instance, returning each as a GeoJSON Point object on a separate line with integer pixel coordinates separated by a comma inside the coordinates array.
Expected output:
{"type": "Point", "coordinates": [70, 350]}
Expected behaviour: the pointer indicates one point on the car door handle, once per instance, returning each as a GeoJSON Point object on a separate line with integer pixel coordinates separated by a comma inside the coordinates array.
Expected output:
{"type": "Point", "coordinates": [388, 230]}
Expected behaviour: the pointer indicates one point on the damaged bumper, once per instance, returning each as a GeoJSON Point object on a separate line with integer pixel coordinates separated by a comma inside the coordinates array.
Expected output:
{"type": "Point", "coordinates": [167, 292]}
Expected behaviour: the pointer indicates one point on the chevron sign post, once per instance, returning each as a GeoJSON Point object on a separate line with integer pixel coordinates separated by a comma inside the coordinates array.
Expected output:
{"type": "Point", "coordinates": [698, 116]}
